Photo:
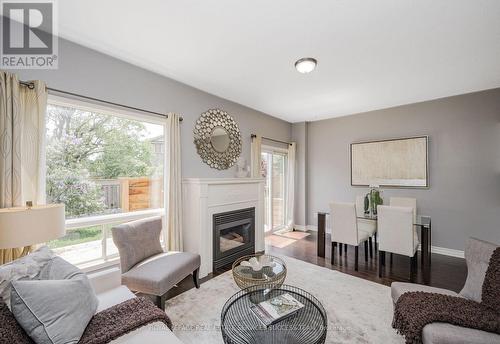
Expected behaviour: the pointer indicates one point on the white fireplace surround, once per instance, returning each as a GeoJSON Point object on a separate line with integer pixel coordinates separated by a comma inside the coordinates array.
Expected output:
{"type": "Point", "coordinates": [204, 197]}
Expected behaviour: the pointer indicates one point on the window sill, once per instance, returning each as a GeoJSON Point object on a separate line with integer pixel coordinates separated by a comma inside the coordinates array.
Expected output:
{"type": "Point", "coordinates": [112, 218]}
{"type": "Point", "coordinates": [99, 264]}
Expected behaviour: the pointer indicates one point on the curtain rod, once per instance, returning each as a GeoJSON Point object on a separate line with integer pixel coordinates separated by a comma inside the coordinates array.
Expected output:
{"type": "Point", "coordinates": [30, 85]}
{"type": "Point", "coordinates": [270, 139]}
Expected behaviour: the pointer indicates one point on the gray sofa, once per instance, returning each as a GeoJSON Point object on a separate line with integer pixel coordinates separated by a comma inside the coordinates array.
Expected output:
{"type": "Point", "coordinates": [145, 267]}
{"type": "Point", "coordinates": [477, 255]}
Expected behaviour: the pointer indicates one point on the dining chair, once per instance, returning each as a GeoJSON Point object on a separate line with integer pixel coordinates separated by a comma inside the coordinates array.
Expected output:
{"type": "Point", "coordinates": [370, 225]}
{"type": "Point", "coordinates": [405, 202]}
{"type": "Point", "coordinates": [397, 234]}
{"type": "Point", "coordinates": [347, 230]}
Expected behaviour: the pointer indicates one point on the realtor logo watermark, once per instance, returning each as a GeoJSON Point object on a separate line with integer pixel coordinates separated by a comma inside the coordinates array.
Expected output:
{"type": "Point", "coordinates": [29, 35]}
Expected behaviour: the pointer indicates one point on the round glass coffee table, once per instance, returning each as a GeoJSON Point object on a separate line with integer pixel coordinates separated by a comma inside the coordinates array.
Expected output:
{"type": "Point", "coordinates": [239, 325]}
{"type": "Point", "coordinates": [272, 276]}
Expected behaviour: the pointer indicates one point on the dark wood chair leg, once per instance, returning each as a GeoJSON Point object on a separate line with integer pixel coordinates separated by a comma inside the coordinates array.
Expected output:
{"type": "Point", "coordinates": [380, 254]}
{"type": "Point", "coordinates": [383, 258]}
{"type": "Point", "coordinates": [412, 264]}
{"type": "Point", "coordinates": [366, 250]}
{"type": "Point", "coordinates": [340, 249]}
{"type": "Point", "coordinates": [371, 247]}
{"type": "Point", "coordinates": [375, 239]}
{"type": "Point", "coordinates": [356, 258]}
{"type": "Point", "coordinates": [160, 301]}
{"type": "Point", "coordinates": [333, 252]}
{"type": "Point", "coordinates": [390, 259]}
{"type": "Point", "coordinates": [196, 279]}
{"type": "Point", "coordinates": [345, 249]}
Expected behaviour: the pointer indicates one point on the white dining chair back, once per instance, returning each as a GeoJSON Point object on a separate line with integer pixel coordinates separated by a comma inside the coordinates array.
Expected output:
{"type": "Point", "coordinates": [405, 202]}
{"type": "Point", "coordinates": [344, 223]}
{"type": "Point", "coordinates": [360, 204]}
{"type": "Point", "coordinates": [396, 231]}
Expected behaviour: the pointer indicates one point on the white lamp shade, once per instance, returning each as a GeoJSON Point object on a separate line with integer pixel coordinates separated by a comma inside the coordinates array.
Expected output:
{"type": "Point", "coordinates": [22, 226]}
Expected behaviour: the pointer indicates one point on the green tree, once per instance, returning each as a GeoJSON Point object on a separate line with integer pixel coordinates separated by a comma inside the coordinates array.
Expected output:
{"type": "Point", "coordinates": [83, 146]}
{"type": "Point", "coordinates": [125, 153]}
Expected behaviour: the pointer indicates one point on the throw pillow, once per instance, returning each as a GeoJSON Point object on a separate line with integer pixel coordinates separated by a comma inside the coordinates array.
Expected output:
{"type": "Point", "coordinates": [26, 267]}
{"type": "Point", "coordinates": [54, 311]}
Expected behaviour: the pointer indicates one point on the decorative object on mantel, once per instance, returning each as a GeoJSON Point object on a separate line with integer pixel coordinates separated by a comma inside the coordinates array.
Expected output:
{"type": "Point", "coordinates": [259, 270]}
{"type": "Point", "coordinates": [217, 139]}
{"type": "Point", "coordinates": [241, 168]}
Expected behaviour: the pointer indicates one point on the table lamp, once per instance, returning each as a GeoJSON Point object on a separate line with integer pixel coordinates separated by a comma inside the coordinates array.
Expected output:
{"type": "Point", "coordinates": [25, 226]}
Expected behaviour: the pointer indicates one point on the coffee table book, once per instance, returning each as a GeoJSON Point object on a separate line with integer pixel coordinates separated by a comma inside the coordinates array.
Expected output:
{"type": "Point", "coordinates": [276, 309]}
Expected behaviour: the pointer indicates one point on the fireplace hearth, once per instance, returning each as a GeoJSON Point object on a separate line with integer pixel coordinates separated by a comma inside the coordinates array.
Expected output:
{"type": "Point", "coordinates": [233, 236]}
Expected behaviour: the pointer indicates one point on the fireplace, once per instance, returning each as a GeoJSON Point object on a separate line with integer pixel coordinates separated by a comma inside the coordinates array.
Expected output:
{"type": "Point", "coordinates": [234, 236]}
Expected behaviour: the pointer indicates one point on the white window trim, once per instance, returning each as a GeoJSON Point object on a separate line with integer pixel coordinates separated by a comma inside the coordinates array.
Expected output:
{"type": "Point", "coordinates": [112, 218]}
{"type": "Point", "coordinates": [113, 261]}
{"type": "Point", "coordinates": [106, 109]}
{"type": "Point", "coordinates": [88, 221]}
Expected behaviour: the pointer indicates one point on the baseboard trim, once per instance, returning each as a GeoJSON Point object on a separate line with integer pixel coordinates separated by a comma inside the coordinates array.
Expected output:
{"type": "Point", "coordinates": [300, 228]}
{"type": "Point", "coordinates": [447, 251]}
{"type": "Point", "coordinates": [434, 249]}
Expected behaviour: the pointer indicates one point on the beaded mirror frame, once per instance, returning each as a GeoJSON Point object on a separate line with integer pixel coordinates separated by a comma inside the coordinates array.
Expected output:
{"type": "Point", "coordinates": [203, 139]}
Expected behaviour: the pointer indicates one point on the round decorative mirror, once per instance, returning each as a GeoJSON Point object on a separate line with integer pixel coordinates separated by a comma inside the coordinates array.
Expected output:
{"type": "Point", "coordinates": [217, 139]}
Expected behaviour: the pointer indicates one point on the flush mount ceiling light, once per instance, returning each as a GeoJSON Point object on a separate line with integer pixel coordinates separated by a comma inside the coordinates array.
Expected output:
{"type": "Point", "coordinates": [306, 65]}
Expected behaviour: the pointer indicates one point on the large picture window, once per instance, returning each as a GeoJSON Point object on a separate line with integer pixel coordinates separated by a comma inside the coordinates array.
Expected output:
{"type": "Point", "coordinates": [107, 168]}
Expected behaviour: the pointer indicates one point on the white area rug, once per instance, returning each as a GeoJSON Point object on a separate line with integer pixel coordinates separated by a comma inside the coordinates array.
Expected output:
{"type": "Point", "coordinates": [359, 311]}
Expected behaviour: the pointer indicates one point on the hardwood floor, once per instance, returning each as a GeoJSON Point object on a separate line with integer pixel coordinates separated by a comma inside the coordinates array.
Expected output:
{"type": "Point", "coordinates": [445, 272]}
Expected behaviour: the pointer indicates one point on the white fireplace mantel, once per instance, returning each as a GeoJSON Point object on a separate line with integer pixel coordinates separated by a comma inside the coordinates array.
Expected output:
{"type": "Point", "coordinates": [204, 197]}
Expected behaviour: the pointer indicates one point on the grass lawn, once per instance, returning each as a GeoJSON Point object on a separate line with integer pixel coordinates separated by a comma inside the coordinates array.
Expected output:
{"type": "Point", "coordinates": [79, 236]}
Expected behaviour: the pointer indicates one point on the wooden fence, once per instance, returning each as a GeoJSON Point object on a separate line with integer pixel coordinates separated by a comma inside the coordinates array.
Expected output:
{"type": "Point", "coordinates": [129, 194]}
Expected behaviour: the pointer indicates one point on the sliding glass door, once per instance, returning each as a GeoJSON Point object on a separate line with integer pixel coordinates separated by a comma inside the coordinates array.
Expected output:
{"type": "Point", "coordinates": [273, 169]}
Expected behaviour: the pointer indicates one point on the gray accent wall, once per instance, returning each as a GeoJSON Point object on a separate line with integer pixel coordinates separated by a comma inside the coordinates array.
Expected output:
{"type": "Point", "coordinates": [88, 72]}
{"type": "Point", "coordinates": [299, 135]}
{"type": "Point", "coordinates": [464, 144]}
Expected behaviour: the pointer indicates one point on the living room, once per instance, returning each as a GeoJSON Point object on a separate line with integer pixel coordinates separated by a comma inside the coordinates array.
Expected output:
{"type": "Point", "coordinates": [171, 169]}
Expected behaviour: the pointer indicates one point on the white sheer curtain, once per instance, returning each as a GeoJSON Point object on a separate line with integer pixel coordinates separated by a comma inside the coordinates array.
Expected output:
{"type": "Point", "coordinates": [173, 182]}
{"type": "Point", "coordinates": [22, 147]}
{"type": "Point", "coordinates": [290, 199]}
{"type": "Point", "coordinates": [256, 149]}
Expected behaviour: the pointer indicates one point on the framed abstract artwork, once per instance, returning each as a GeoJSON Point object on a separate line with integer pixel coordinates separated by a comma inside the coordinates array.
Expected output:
{"type": "Point", "coordinates": [394, 162]}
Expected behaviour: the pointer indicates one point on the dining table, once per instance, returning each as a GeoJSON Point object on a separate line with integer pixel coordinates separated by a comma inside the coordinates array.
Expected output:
{"type": "Point", "coordinates": [422, 222]}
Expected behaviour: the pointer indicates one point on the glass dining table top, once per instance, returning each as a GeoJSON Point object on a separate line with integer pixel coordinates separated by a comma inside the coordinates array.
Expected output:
{"type": "Point", "coordinates": [421, 220]}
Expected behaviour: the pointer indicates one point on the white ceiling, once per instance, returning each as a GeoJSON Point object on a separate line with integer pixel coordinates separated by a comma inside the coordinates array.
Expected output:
{"type": "Point", "coordinates": [371, 54]}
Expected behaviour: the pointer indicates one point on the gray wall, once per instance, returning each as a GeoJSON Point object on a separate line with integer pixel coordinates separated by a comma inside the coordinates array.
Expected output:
{"type": "Point", "coordinates": [464, 131]}
{"type": "Point", "coordinates": [464, 197]}
{"type": "Point", "coordinates": [299, 135]}
{"type": "Point", "coordinates": [87, 72]}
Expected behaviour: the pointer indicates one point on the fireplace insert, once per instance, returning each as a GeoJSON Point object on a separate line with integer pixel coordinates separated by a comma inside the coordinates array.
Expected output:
{"type": "Point", "coordinates": [234, 236]}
